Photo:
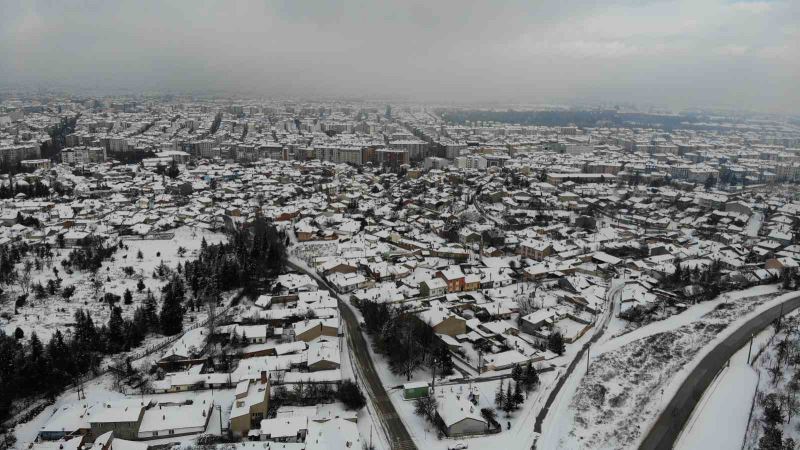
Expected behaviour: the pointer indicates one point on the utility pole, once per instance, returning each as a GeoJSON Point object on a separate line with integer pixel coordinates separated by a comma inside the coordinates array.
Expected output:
{"type": "Point", "coordinates": [750, 348]}
{"type": "Point", "coordinates": [588, 351]}
{"type": "Point", "coordinates": [433, 381]}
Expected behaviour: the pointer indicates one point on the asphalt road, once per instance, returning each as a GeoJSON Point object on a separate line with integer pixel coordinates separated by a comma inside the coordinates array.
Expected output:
{"type": "Point", "coordinates": [395, 428]}
{"type": "Point", "coordinates": [669, 424]}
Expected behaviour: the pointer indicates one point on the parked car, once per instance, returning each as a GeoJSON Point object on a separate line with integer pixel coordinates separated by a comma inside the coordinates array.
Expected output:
{"type": "Point", "coordinates": [458, 446]}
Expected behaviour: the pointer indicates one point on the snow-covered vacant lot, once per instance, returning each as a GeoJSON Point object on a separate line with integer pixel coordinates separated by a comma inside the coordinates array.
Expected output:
{"type": "Point", "coordinates": [627, 386]}
{"type": "Point", "coordinates": [46, 315]}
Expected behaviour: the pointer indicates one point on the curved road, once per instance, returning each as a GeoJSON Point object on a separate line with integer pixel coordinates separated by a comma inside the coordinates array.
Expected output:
{"type": "Point", "coordinates": [609, 313]}
{"type": "Point", "coordinates": [398, 436]}
{"type": "Point", "coordinates": [670, 423]}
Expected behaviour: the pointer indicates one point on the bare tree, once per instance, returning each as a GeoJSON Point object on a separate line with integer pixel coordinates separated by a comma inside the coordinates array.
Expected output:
{"type": "Point", "coordinates": [25, 278]}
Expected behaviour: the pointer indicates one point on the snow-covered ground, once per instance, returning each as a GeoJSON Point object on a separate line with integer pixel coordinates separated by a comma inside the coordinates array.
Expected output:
{"type": "Point", "coordinates": [771, 381]}
{"type": "Point", "coordinates": [691, 314]}
{"type": "Point", "coordinates": [754, 224]}
{"type": "Point", "coordinates": [725, 404]}
{"type": "Point", "coordinates": [633, 376]}
{"type": "Point", "coordinates": [53, 312]}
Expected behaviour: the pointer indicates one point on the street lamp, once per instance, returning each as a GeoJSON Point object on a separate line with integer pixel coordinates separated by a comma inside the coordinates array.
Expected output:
{"type": "Point", "coordinates": [219, 411]}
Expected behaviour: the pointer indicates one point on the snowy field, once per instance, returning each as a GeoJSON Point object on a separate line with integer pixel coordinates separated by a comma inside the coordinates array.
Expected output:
{"type": "Point", "coordinates": [632, 377]}
{"type": "Point", "coordinates": [53, 312]}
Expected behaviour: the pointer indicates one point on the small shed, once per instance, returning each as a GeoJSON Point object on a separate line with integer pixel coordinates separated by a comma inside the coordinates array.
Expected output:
{"type": "Point", "coordinates": [413, 391]}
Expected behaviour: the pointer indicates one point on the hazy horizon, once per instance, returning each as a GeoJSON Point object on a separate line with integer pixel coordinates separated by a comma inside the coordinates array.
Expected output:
{"type": "Point", "coordinates": [678, 54]}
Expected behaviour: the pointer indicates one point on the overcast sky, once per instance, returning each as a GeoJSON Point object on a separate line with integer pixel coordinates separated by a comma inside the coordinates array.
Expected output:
{"type": "Point", "coordinates": [739, 54]}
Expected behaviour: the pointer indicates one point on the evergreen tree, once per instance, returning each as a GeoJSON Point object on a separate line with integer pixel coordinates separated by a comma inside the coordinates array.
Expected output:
{"type": "Point", "coordinates": [444, 361]}
{"type": "Point", "coordinates": [350, 394]}
{"type": "Point", "coordinates": [151, 311]}
{"type": "Point", "coordinates": [115, 331]}
{"type": "Point", "coordinates": [518, 397]}
{"type": "Point", "coordinates": [516, 372]}
{"type": "Point", "coordinates": [772, 439]}
{"type": "Point", "coordinates": [173, 170]}
{"type": "Point", "coordinates": [710, 182]}
{"type": "Point", "coordinates": [171, 318]}
{"type": "Point", "coordinates": [141, 321]}
{"type": "Point", "coordinates": [677, 276]}
{"type": "Point", "coordinates": [140, 285]}
{"type": "Point", "coordinates": [86, 335]}
{"type": "Point", "coordinates": [531, 377]}
{"type": "Point", "coordinates": [555, 343]}
{"type": "Point", "coordinates": [508, 403]}
{"type": "Point", "coordinates": [128, 297]}
{"type": "Point", "coordinates": [773, 414]}
{"type": "Point", "coordinates": [67, 292]}
{"type": "Point", "coordinates": [34, 373]}
{"type": "Point", "coordinates": [60, 354]}
{"type": "Point", "coordinates": [500, 396]}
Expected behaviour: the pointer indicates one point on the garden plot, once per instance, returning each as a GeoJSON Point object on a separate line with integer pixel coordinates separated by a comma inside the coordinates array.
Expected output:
{"type": "Point", "coordinates": [626, 387]}
{"type": "Point", "coordinates": [45, 315]}
{"type": "Point", "coordinates": [309, 251]}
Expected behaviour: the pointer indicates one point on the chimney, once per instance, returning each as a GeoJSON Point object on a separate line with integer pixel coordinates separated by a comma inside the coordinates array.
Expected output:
{"type": "Point", "coordinates": [263, 377]}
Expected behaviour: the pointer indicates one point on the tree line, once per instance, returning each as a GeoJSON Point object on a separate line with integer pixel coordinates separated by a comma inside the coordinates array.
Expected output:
{"type": "Point", "coordinates": [29, 367]}
{"type": "Point", "coordinates": [35, 190]}
{"type": "Point", "coordinates": [408, 342]}
{"type": "Point", "coordinates": [252, 256]}
{"type": "Point", "coordinates": [58, 137]}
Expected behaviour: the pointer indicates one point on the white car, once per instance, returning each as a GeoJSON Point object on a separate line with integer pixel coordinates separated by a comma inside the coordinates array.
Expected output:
{"type": "Point", "coordinates": [458, 446]}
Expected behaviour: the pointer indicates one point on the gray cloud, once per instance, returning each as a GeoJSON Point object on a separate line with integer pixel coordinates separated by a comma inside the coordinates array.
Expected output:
{"type": "Point", "coordinates": [675, 53]}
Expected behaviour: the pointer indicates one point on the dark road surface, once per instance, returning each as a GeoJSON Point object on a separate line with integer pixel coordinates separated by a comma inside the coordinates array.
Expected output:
{"type": "Point", "coordinates": [669, 424]}
{"type": "Point", "coordinates": [396, 429]}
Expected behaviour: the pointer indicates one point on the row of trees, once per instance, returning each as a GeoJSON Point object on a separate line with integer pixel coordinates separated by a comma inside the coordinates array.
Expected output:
{"type": "Point", "coordinates": [252, 257]}
{"type": "Point", "coordinates": [523, 380]}
{"type": "Point", "coordinates": [37, 189]}
{"type": "Point", "coordinates": [790, 278]}
{"type": "Point", "coordinates": [301, 393]}
{"type": "Point", "coordinates": [89, 256]}
{"type": "Point", "coordinates": [779, 407]}
{"type": "Point", "coordinates": [58, 137]}
{"type": "Point", "coordinates": [773, 418]}
{"type": "Point", "coordinates": [405, 340]}
{"type": "Point", "coordinates": [171, 171]}
{"type": "Point", "coordinates": [9, 257]}
{"type": "Point", "coordinates": [29, 368]}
